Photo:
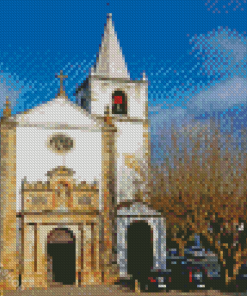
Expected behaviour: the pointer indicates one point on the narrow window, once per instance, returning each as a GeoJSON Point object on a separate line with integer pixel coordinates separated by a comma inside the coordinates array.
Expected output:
{"type": "Point", "coordinates": [119, 103]}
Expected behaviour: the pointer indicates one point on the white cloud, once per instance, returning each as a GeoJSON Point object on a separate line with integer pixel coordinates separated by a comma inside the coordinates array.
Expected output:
{"type": "Point", "coordinates": [239, 48]}
{"type": "Point", "coordinates": [220, 97]}
{"type": "Point", "coordinates": [162, 119]}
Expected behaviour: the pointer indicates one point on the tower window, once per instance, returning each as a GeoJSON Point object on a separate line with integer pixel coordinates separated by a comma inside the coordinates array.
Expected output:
{"type": "Point", "coordinates": [119, 103]}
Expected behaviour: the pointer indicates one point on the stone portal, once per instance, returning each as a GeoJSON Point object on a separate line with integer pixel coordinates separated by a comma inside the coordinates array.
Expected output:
{"type": "Point", "coordinates": [135, 212]}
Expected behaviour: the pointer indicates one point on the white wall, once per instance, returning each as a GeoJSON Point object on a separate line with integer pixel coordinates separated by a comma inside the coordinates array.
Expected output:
{"type": "Point", "coordinates": [129, 141]}
{"type": "Point", "coordinates": [34, 159]}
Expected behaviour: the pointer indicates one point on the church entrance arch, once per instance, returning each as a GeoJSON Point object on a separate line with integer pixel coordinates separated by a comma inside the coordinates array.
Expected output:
{"type": "Point", "coordinates": [61, 257]}
{"type": "Point", "coordinates": [139, 249]}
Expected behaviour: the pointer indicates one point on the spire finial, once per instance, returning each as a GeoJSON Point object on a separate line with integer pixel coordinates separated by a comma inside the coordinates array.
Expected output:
{"type": "Point", "coordinates": [61, 77]}
{"type": "Point", "coordinates": [109, 15]}
{"type": "Point", "coordinates": [144, 77]}
{"type": "Point", "coordinates": [7, 110]}
{"type": "Point", "coordinates": [92, 71]}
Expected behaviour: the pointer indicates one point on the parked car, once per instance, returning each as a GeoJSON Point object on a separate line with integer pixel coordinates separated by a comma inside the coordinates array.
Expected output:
{"type": "Point", "coordinates": [206, 261]}
{"type": "Point", "coordinates": [186, 274]}
{"type": "Point", "coordinates": [158, 280]}
{"type": "Point", "coordinates": [197, 271]}
{"type": "Point", "coordinates": [197, 277]}
{"type": "Point", "coordinates": [241, 279]}
{"type": "Point", "coordinates": [195, 252]}
{"type": "Point", "coordinates": [179, 275]}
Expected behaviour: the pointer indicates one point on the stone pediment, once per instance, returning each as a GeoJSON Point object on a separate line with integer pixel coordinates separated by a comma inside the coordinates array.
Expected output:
{"type": "Point", "coordinates": [59, 112]}
{"type": "Point", "coordinates": [136, 209]}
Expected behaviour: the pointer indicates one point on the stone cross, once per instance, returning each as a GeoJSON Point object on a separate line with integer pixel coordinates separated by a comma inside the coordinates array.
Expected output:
{"type": "Point", "coordinates": [61, 77]}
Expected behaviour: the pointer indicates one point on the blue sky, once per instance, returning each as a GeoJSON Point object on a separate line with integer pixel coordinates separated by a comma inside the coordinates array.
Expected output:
{"type": "Point", "coordinates": [193, 51]}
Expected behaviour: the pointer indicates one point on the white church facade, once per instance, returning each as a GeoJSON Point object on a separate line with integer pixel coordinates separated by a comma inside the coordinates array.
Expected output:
{"type": "Point", "coordinates": [72, 200]}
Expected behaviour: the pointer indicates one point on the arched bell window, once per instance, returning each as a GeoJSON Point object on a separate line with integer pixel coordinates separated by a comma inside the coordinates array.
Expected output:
{"type": "Point", "coordinates": [119, 102]}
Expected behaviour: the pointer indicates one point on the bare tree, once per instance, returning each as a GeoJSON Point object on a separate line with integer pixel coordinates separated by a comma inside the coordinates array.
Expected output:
{"type": "Point", "coordinates": [203, 191]}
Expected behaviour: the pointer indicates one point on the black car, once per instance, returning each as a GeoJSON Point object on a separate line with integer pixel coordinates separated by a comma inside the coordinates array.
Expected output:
{"type": "Point", "coordinates": [200, 268]}
{"type": "Point", "coordinates": [195, 252]}
{"type": "Point", "coordinates": [179, 276]}
{"type": "Point", "coordinates": [186, 274]}
{"type": "Point", "coordinates": [241, 279]}
{"type": "Point", "coordinates": [158, 280]}
{"type": "Point", "coordinates": [197, 277]}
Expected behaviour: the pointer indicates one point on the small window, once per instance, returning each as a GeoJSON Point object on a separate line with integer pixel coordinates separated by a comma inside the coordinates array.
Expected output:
{"type": "Point", "coordinates": [119, 103]}
{"type": "Point", "coordinates": [61, 143]}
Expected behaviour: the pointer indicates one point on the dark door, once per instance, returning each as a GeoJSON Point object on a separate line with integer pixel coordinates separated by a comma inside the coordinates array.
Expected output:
{"type": "Point", "coordinates": [63, 262]}
{"type": "Point", "coordinates": [140, 250]}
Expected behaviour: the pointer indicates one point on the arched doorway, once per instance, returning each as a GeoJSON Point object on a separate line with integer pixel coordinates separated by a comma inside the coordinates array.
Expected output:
{"type": "Point", "coordinates": [61, 256]}
{"type": "Point", "coordinates": [139, 249]}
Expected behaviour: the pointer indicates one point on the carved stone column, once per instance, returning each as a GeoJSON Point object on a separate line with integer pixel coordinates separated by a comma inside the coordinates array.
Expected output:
{"type": "Point", "coordinates": [95, 253]}
{"type": "Point", "coordinates": [86, 254]}
{"type": "Point", "coordinates": [28, 272]}
{"type": "Point", "coordinates": [8, 253]}
{"type": "Point", "coordinates": [109, 275]}
{"type": "Point", "coordinates": [80, 255]}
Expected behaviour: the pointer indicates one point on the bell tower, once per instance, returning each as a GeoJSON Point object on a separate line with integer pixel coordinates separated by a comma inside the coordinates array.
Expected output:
{"type": "Point", "coordinates": [109, 83]}
{"type": "Point", "coordinates": [109, 87]}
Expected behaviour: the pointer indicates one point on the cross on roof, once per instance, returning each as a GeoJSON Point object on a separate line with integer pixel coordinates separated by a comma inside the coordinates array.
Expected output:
{"type": "Point", "coordinates": [7, 110]}
{"type": "Point", "coordinates": [61, 77]}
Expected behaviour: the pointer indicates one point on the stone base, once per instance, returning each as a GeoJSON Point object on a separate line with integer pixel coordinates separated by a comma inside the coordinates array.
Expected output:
{"type": "Point", "coordinates": [27, 281]}
{"type": "Point", "coordinates": [9, 281]}
{"type": "Point", "coordinates": [35, 280]}
{"type": "Point", "coordinates": [91, 278]}
{"type": "Point", "coordinates": [111, 276]}
{"type": "Point", "coordinates": [40, 281]}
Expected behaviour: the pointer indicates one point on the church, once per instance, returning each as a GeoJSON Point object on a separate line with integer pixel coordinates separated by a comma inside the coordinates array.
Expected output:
{"type": "Point", "coordinates": [75, 210]}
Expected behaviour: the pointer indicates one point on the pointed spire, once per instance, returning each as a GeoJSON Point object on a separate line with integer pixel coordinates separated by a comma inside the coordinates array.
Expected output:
{"type": "Point", "coordinates": [110, 62]}
{"type": "Point", "coordinates": [7, 110]}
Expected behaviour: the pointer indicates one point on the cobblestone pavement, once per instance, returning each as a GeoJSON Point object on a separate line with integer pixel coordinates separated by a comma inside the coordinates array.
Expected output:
{"type": "Point", "coordinates": [106, 291]}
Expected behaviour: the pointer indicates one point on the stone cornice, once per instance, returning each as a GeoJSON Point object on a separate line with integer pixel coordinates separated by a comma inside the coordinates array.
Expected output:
{"type": "Point", "coordinates": [116, 118]}
{"type": "Point", "coordinates": [58, 213]}
{"type": "Point", "coordinates": [59, 126]}
{"type": "Point", "coordinates": [118, 80]}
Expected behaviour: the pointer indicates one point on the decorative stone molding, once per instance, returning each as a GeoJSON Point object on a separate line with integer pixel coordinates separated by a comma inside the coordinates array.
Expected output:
{"type": "Point", "coordinates": [60, 192]}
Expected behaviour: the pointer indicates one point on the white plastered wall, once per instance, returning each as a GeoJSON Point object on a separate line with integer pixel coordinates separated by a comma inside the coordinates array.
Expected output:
{"type": "Point", "coordinates": [34, 159]}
